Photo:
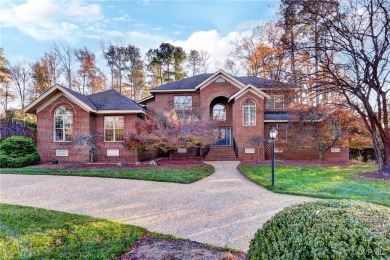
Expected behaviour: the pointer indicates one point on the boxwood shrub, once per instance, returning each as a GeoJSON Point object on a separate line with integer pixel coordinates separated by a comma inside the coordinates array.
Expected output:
{"type": "Point", "coordinates": [325, 230]}
{"type": "Point", "coordinates": [18, 151]}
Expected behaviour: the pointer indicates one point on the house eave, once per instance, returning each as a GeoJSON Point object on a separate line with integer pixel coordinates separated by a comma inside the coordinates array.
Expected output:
{"type": "Point", "coordinates": [249, 88]}
{"type": "Point", "coordinates": [171, 90]}
{"type": "Point", "coordinates": [137, 111]}
{"type": "Point", "coordinates": [226, 76]}
{"type": "Point", "coordinates": [34, 106]}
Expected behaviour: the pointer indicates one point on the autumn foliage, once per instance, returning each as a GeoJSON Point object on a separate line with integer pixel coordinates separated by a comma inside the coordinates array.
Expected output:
{"type": "Point", "coordinates": [169, 133]}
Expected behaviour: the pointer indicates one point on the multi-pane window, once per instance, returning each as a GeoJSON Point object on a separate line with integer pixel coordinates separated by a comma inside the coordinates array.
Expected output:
{"type": "Point", "coordinates": [183, 106]}
{"type": "Point", "coordinates": [63, 124]}
{"type": "Point", "coordinates": [113, 128]}
{"type": "Point", "coordinates": [249, 108]}
{"type": "Point", "coordinates": [219, 112]}
{"type": "Point", "coordinates": [282, 131]}
{"type": "Point", "coordinates": [275, 102]}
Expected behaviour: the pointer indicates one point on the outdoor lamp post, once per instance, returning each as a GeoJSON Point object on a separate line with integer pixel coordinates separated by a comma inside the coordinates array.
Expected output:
{"type": "Point", "coordinates": [272, 134]}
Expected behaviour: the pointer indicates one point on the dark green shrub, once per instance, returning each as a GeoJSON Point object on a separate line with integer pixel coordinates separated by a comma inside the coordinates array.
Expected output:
{"type": "Point", "coordinates": [18, 151]}
{"type": "Point", "coordinates": [325, 230]}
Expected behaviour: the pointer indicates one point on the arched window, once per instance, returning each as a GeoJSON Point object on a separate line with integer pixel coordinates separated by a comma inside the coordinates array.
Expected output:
{"type": "Point", "coordinates": [249, 108]}
{"type": "Point", "coordinates": [63, 124]}
{"type": "Point", "coordinates": [219, 112]}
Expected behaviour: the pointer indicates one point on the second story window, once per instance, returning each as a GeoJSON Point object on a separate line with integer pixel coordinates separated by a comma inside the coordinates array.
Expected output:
{"type": "Point", "coordinates": [219, 112]}
{"type": "Point", "coordinates": [113, 128]}
{"type": "Point", "coordinates": [249, 108]}
{"type": "Point", "coordinates": [275, 102]}
{"type": "Point", "coordinates": [182, 106]}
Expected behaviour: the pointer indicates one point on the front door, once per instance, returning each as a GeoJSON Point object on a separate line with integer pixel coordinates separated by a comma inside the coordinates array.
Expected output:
{"type": "Point", "coordinates": [224, 136]}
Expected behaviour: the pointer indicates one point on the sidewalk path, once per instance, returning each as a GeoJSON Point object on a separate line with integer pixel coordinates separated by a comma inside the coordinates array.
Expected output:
{"type": "Point", "coordinates": [224, 209]}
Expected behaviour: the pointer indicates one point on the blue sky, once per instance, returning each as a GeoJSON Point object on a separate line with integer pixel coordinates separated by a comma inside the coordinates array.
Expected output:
{"type": "Point", "coordinates": [28, 28]}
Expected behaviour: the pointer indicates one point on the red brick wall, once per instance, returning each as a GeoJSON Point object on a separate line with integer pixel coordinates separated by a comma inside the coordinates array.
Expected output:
{"type": "Point", "coordinates": [291, 152]}
{"type": "Point", "coordinates": [164, 101]}
{"type": "Point", "coordinates": [242, 134]}
{"type": "Point", "coordinates": [84, 123]}
{"type": "Point", "coordinates": [45, 131]}
{"type": "Point", "coordinates": [125, 155]}
{"type": "Point", "coordinates": [212, 91]}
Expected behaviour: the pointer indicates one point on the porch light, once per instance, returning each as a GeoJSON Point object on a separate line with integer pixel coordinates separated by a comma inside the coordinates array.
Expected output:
{"type": "Point", "coordinates": [272, 134]}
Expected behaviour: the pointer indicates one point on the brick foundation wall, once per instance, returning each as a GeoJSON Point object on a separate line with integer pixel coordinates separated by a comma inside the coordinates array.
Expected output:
{"type": "Point", "coordinates": [289, 152]}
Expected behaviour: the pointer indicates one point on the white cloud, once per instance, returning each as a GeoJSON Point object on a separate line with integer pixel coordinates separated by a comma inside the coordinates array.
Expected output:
{"type": "Point", "coordinates": [212, 41]}
{"type": "Point", "coordinates": [33, 11]}
{"type": "Point", "coordinates": [77, 9]}
{"type": "Point", "coordinates": [145, 41]}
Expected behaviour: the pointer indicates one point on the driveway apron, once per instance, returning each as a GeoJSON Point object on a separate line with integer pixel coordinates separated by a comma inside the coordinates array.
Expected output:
{"type": "Point", "coordinates": [224, 209]}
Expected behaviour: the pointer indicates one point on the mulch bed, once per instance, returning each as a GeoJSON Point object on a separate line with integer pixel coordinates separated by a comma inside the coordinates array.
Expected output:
{"type": "Point", "coordinates": [304, 163]}
{"type": "Point", "coordinates": [160, 162]}
{"type": "Point", "coordinates": [154, 248]}
{"type": "Point", "coordinates": [373, 175]}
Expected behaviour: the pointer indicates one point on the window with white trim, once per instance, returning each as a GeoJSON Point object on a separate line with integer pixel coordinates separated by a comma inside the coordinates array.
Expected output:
{"type": "Point", "coordinates": [275, 102]}
{"type": "Point", "coordinates": [63, 124]}
{"type": "Point", "coordinates": [113, 128]}
{"type": "Point", "coordinates": [249, 111]}
{"type": "Point", "coordinates": [182, 106]}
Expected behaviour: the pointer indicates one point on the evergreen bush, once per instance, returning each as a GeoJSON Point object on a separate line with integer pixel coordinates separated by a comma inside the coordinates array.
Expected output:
{"type": "Point", "coordinates": [18, 151]}
{"type": "Point", "coordinates": [325, 230]}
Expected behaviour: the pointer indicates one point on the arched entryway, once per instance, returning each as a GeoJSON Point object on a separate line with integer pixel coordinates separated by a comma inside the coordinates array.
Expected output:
{"type": "Point", "coordinates": [221, 113]}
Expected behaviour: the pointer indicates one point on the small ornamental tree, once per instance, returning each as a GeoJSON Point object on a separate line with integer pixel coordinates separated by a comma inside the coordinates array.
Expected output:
{"type": "Point", "coordinates": [321, 127]}
{"type": "Point", "coordinates": [169, 133]}
{"type": "Point", "coordinates": [89, 144]}
{"type": "Point", "coordinates": [258, 141]}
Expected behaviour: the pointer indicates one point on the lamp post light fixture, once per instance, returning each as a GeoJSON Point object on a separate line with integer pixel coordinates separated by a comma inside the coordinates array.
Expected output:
{"type": "Point", "coordinates": [272, 134]}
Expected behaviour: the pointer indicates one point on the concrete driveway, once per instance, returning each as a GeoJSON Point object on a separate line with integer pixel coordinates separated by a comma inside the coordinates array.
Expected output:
{"type": "Point", "coordinates": [224, 209]}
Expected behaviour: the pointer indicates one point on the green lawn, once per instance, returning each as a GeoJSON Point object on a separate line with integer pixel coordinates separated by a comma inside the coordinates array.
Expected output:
{"type": "Point", "coordinates": [184, 174]}
{"type": "Point", "coordinates": [27, 232]}
{"type": "Point", "coordinates": [322, 182]}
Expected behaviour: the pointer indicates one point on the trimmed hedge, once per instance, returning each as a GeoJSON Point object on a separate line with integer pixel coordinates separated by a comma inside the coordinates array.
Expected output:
{"type": "Point", "coordinates": [325, 230]}
{"type": "Point", "coordinates": [18, 151]}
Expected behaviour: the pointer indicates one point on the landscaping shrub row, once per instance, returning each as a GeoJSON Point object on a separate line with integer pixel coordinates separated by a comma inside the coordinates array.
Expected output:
{"type": "Point", "coordinates": [325, 230]}
{"type": "Point", "coordinates": [18, 151]}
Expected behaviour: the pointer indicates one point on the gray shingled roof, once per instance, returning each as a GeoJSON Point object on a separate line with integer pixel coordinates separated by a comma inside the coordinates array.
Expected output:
{"type": "Point", "coordinates": [81, 97]}
{"type": "Point", "coordinates": [113, 100]}
{"type": "Point", "coordinates": [277, 116]}
{"type": "Point", "coordinates": [188, 83]}
{"type": "Point", "coordinates": [262, 82]}
{"type": "Point", "coordinates": [191, 82]}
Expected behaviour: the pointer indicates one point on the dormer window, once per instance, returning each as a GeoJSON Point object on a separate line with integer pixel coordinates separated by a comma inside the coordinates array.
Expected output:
{"type": "Point", "coordinates": [275, 102]}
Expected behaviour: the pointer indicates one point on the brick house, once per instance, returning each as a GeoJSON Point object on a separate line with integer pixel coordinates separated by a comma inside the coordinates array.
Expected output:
{"type": "Point", "coordinates": [244, 108]}
{"type": "Point", "coordinates": [64, 114]}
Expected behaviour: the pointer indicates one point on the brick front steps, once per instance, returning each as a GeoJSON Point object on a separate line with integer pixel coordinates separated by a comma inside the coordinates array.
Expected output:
{"type": "Point", "coordinates": [221, 153]}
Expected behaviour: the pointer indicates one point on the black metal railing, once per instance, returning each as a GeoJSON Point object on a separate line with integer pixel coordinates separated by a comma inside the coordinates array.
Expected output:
{"type": "Point", "coordinates": [235, 147]}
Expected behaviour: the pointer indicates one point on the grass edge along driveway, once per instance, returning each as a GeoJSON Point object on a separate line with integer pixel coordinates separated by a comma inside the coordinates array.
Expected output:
{"type": "Point", "coordinates": [28, 232]}
{"type": "Point", "coordinates": [38, 233]}
{"type": "Point", "coordinates": [180, 174]}
{"type": "Point", "coordinates": [328, 182]}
